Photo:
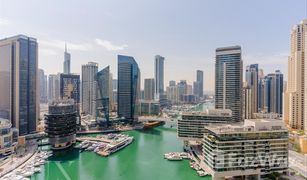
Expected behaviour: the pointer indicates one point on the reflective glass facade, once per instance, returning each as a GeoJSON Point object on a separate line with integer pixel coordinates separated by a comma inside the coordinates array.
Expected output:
{"type": "Point", "coordinates": [228, 80]}
{"type": "Point", "coordinates": [128, 87]}
{"type": "Point", "coordinates": [5, 80]}
{"type": "Point", "coordinates": [103, 93]}
{"type": "Point", "coordinates": [70, 87]}
{"type": "Point", "coordinates": [19, 63]}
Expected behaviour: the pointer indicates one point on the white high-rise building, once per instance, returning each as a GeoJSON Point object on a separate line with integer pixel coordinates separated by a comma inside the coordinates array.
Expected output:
{"type": "Point", "coordinates": [149, 89]}
{"type": "Point", "coordinates": [88, 99]}
{"type": "Point", "coordinates": [295, 105]}
{"type": "Point", "coordinates": [53, 87]}
{"type": "Point", "coordinates": [172, 93]}
{"type": "Point", "coordinates": [159, 75]}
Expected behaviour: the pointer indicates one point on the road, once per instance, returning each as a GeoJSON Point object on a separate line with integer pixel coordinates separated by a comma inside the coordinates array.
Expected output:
{"type": "Point", "coordinates": [298, 162]}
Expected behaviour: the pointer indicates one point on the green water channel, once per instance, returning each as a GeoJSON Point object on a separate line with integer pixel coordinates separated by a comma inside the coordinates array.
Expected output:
{"type": "Point", "coordinates": [141, 160]}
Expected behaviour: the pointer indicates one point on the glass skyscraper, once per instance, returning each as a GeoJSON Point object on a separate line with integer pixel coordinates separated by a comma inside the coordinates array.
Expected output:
{"type": "Point", "coordinates": [228, 80]}
{"type": "Point", "coordinates": [272, 96]}
{"type": "Point", "coordinates": [128, 87]}
{"type": "Point", "coordinates": [70, 87]}
{"type": "Point", "coordinates": [19, 97]}
{"type": "Point", "coordinates": [104, 93]}
{"type": "Point", "coordinates": [199, 84]}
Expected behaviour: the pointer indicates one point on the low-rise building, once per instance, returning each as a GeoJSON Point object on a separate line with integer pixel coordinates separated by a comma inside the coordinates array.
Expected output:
{"type": "Point", "coordinates": [149, 108]}
{"type": "Point", "coordinates": [256, 148]}
{"type": "Point", "coordinates": [8, 138]}
{"type": "Point", "coordinates": [192, 125]}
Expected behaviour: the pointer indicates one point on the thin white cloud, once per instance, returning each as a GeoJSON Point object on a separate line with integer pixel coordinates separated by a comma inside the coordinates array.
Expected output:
{"type": "Point", "coordinates": [268, 62]}
{"type": "Point", "coordinates": [47, 52]}
{"type": "Point", "coordinates": [109, 46]}
{"type": "Point", "coordinates": [59, 44]}
{"type": "Point", "coordinates": [267, 59]}
{"type": "Point", "coordinates": [4, 22]}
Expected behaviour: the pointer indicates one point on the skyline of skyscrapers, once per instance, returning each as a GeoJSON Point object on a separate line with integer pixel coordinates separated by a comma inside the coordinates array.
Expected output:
{"type": "Point", "coordinates": [159, 75]}
{"type": "Point", "coordinates": [228, 80]}
{"type": "Point", "coordinates": [128, 88]}
{"type": "Point", "coordinates": [19, 98]}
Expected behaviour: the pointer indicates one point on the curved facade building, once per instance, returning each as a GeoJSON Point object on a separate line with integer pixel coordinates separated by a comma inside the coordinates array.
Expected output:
{"type": "Point", "coordinates": [7, 143]}
{"type": "Point", "coordinates": [61, 124]}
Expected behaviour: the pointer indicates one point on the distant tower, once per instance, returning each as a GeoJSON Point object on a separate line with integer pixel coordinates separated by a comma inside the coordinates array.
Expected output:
{"type": "Point", "coordinates": [159, 76]}
{"type": "Point", "coordinates": [228, 80]}
{"type": "Point", "coordinates": [251, 76]}
{"type": "Point", "coordinates": [66, 61]}
{"type": "Point", "coordinates": [149, 89]}
{"type": "Point", "coordinates": [199, 84]}
{"type": "Point", "coordinates": [42, 86]}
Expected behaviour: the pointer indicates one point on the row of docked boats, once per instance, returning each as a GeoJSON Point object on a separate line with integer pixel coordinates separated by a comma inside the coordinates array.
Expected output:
{"type": "Point", "coordinates": [176, 156]}
{"type": "Point", "coordinates": [118, 142]}
{"type": "Point", "coordinates": [198, 169]}
{"type": "Point", "coordinates": [29, 168]}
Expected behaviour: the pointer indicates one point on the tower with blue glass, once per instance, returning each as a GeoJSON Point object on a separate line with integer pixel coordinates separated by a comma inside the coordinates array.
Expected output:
{"type": "Point", "coordinates": [128, 88]}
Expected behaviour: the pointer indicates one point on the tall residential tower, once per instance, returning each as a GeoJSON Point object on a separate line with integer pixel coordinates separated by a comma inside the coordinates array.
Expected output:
{"type": "Point", "coordinates": [228, 80]}
{"type": "Point", "coordinates": [19, 97]}
{"type": "Point", "coordinates": [88, 98]}
{"type": "Point", "coordinates": [159, 75]}
{"type": "Point", "coordinates": [295, 106]}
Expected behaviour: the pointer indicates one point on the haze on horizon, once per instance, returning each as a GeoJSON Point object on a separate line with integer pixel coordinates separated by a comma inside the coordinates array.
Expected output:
{"type": "Point", "coordinates": [186, 33]}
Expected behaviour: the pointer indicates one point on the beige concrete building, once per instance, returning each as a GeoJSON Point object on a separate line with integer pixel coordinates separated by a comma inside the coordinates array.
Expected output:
{"type": "Point", "coordinates": [255, 149]}
{"type": "Point", "coordinates": [172, 93]}
{"type": "Point", "coordinates": [295, 109]}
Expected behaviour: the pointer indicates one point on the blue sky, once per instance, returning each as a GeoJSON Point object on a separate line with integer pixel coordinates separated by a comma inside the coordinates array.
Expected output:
{"type": "Point", "coordinates": [185, 32]}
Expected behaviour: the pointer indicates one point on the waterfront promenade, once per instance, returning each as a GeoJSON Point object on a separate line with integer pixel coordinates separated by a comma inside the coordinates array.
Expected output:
{"type": "Point", "coordinates": [17, 162]}
{"type": "Point", "coordinates": [143, 159]}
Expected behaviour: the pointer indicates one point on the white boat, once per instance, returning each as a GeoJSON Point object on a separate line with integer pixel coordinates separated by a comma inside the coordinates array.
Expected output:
{"type": "Point", "coordinates": [28, 173]}
{"type": "Point", "coordinates": [42, 162]}
{"type": "Point", "coordinates": [202, 173]}
{"type": "Point", "coordinates": [120, 145]}
{"type": "Point", "coordinates": [36, 170]}
{"type": "Point", "coordinates": [36, 164]}
{"type": "Point", "coordinates": [174, 158]}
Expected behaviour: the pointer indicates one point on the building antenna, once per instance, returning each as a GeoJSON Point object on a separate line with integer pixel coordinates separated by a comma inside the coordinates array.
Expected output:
{"type": "Point", "coordinates": [65, 47]}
